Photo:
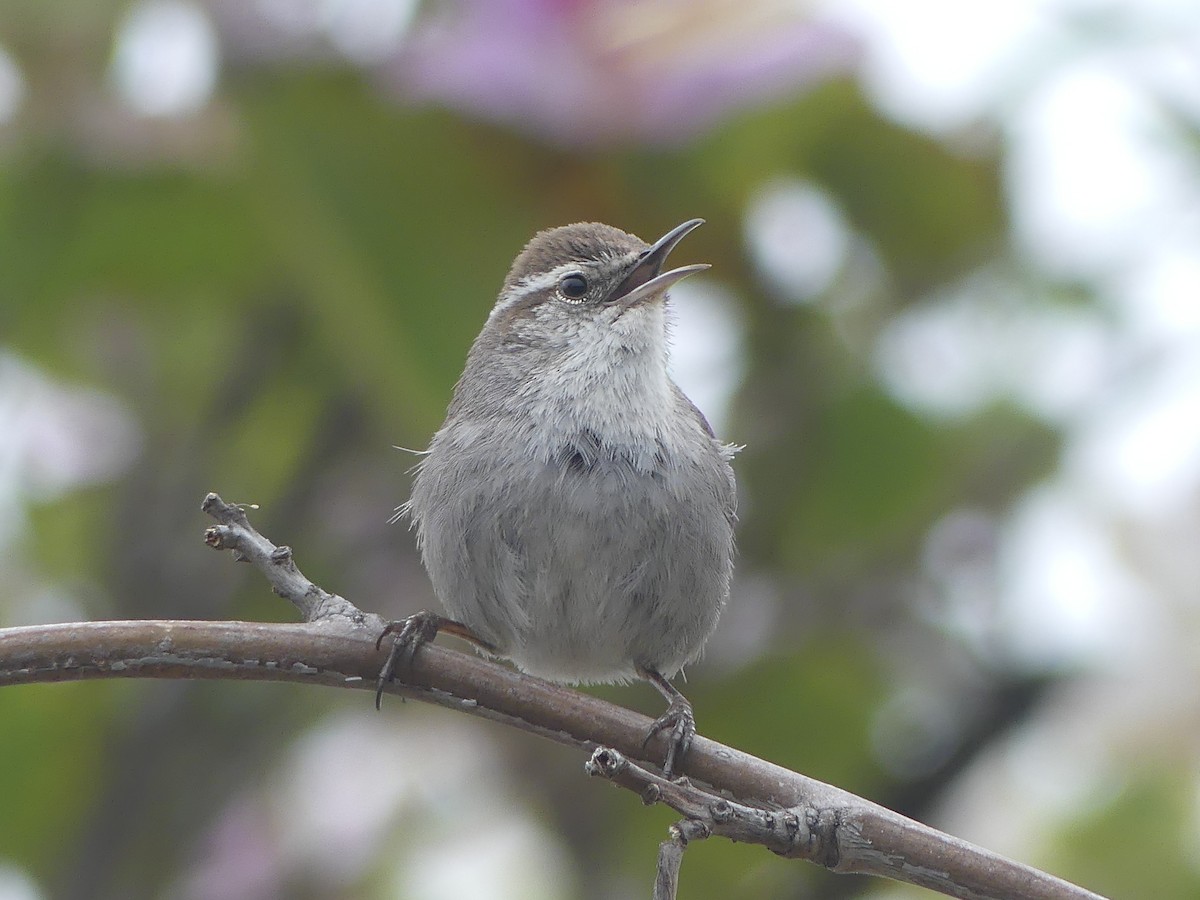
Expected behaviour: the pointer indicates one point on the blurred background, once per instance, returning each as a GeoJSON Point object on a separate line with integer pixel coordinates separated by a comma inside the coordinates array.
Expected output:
{"type": "Point", "coordinates": [953, 314]}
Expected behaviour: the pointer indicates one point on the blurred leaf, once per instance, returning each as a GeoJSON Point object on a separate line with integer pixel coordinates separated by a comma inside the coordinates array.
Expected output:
{"type": "Point", "coordinates": [52, 755]}
{"type": "Point", "coordinates": [931, 212]}
{"type": "Point", "coordinates": [808, 710]}
{"type": "Point", "coordinates": [1142, 844]}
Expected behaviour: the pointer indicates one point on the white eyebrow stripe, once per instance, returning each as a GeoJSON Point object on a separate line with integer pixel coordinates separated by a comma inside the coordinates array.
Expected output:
{"type": "Point", "coordinates": [532, 284]}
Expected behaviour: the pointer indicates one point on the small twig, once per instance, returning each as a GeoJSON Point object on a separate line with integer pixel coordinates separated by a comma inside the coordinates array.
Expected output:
{"type": "Point", "coordinates": [670, 856]}
{"type": "Point", "coordinates": [235, 533]}
{"type": "Point", "coordinates": [849, 835]}
{"type": "Point", "coordinates": [805, 832]}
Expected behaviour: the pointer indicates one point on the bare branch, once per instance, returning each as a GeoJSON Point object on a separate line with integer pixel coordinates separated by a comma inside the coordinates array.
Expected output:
{"type": "Point", "coordinates": [730, 793]}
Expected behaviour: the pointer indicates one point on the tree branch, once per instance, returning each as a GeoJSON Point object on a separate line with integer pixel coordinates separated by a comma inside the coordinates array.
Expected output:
{"type": "Point", "coordinates": [743, 798]}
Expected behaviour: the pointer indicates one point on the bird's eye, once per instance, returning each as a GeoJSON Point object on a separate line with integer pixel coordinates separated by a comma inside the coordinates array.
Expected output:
{"type": "Point", "coordinates": [573, 286]}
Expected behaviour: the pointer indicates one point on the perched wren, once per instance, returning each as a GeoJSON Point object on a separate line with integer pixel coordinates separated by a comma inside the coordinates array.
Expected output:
{"type": "Point", "coordinates": [575, 511]}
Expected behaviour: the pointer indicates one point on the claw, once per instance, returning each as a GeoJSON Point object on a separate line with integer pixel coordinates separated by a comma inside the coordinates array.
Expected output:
{"type": "Point", "coordinates": [419, 628]}
{"type": "Point", "coordinates": [678, 722]}
{"type": "Point", "coordinates": [411, 634]}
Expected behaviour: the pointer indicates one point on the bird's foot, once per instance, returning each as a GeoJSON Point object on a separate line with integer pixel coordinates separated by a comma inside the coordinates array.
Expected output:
{"type": "Point", "coordinates": [678, 723]}
{"type": "Point", "coordinates": [411, 634]}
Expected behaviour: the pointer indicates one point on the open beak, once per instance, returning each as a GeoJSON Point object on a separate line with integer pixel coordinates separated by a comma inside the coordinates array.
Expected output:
{"type": "Point", "coordinates": [647, 279]}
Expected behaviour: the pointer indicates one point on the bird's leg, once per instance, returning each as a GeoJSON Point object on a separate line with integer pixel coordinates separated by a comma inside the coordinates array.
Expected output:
{"type": "Point", "coordinates": [419, 628]}
{"type": "Point", "coordinates": [678, 722]}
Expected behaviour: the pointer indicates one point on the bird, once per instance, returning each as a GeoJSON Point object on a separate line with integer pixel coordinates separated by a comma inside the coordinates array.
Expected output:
{"type": "Point", "coordinates": [575, 512]}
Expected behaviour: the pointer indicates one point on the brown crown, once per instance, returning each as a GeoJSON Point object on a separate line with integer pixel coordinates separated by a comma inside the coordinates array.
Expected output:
{"type": "Point", "coordinates": [581, 242]}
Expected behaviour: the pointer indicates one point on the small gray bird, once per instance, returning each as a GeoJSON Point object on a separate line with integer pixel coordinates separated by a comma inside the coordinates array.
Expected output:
{"type": "Point", "coordinates": [575, 511]}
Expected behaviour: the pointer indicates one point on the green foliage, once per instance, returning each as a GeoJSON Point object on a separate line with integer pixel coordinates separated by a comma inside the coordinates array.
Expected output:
{"type": "Point", "coordinates": [52, 756]}
{"type": "Point", "coordinates": [807, 709]}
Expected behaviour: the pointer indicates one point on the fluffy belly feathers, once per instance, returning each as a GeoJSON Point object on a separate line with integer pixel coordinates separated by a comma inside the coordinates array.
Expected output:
{"type": "Point", "coordinates": [581, 580]}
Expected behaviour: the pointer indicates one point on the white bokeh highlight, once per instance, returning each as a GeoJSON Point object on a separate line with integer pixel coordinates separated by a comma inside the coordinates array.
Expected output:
{"type": "Point", "coordinates": [55, 438]}
{"type": "Point", "coordinates": [12, 87]}
{"type": "Point", "coordinates": [15, 884]}
{"type": "Point", "coordinates": [166, 58]}
{"type": "Point", "coordinates": [1141, 450]}
{"type": "Point", "coordinates": [706, 336]}
{"type": "Point", "coordinates": [1067, 598]}
{"type": "Point", "coordinates": [1095, 176]}
{"type": "Point", "coordinates": [367, 31]}
{"type": "Point", "coordinates": [982, 342]}
{"type": "Point", "coordinates": [937, 65]}
{"type": "Point", "coordinates": [797, 238]}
